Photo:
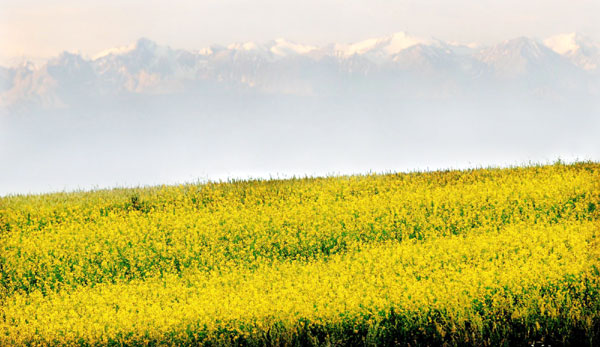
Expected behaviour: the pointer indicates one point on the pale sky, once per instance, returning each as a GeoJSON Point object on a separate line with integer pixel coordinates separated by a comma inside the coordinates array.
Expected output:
{"type": "Point", "coordinates": [41, 28]}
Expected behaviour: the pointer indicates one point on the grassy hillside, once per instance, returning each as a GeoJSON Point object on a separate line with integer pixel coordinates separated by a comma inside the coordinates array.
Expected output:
{"type": "Point", "coordinates": [481, 257]}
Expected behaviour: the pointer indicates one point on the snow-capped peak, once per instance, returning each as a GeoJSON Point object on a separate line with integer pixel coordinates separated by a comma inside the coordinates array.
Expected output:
{"type": "Point", "coordinates": [563, 43]}
{"type": "Point", "coordinates": [115, 51]}
{"type": "Point", "coordinates": [519, 56]}
{"type": "Point", "coordinates": [143, 45]}
{"type": "Point", "coordinates": [244, 46]}
{"type": "Point", "coordinates": [579, 49]}
{"type": "Point", "coordinates": [283, 47]}
{"type": "Point", "coordinates": [388, 45]}
{"type": "Point", "coordinates": [521, 48]}
{"type": "Point", "coordinates": [399, 41]}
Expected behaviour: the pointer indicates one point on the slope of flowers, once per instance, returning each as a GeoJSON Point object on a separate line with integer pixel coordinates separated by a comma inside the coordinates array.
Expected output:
{"type": "Point", "coordinates": [488, 256]}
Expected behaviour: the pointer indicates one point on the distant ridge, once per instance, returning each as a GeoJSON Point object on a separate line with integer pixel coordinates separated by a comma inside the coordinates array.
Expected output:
{"type": "Point", "coordinates": [397, 64]}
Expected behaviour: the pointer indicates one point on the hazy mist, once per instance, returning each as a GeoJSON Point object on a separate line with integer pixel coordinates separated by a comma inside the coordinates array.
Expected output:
{"type": "Point", "coordinates": [154, 115]}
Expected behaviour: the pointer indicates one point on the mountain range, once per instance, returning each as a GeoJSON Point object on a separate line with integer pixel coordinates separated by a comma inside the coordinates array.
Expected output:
{"type": "Point", "coordinates": [395, 66]}
{"type": "Point", "coordinates": [150, 114]}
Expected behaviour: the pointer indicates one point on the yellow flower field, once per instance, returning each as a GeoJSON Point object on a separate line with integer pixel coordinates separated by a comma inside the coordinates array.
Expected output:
{"type": "Point", "coordinates": [480, 257]}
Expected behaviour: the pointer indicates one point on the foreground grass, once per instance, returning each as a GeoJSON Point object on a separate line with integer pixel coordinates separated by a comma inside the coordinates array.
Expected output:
{"type": "Point", "coordinates": [480, 257]}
